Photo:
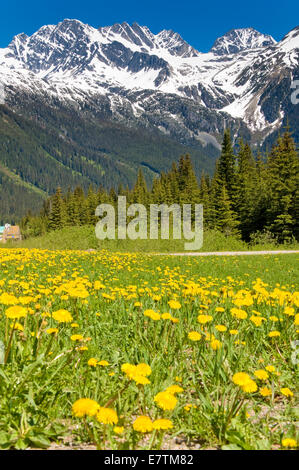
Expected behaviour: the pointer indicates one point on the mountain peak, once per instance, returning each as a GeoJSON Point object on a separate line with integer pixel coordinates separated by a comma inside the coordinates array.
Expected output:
{"type": "Point", "coordinates": [175, 44]}
{"type": "Point", "coordinates": [237, 40]}
{"type": "Point", "coordinates": [138, 35]}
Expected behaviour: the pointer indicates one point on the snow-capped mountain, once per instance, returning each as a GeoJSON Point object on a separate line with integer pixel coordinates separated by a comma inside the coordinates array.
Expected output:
{"type": "Point", "coordinates": [238, 40]}
{"type": "Point", "coordinates": [156, 80]}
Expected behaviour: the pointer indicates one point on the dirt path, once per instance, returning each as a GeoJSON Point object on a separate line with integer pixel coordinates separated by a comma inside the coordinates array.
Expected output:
{"type": "Point", "coordinates": [228, 253]}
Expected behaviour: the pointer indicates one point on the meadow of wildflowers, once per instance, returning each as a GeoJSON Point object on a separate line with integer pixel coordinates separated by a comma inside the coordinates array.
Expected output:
{"type": "Point", "coordinates": [132, 351]}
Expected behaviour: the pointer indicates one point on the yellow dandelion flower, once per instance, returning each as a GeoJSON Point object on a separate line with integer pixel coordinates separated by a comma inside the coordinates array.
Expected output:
{"type": "Point", "coordinates": [165, 400]}
{"type": "Point", "coordinates": [140, 379]}
{"type": "Point", "coordinates": [92, 362]}
{"type": "Point", "coordinates": [107, 416]}
{"type": "Point", "coordinates": [261, 374]}
{"type": "Point", "coordinates": [249, 387]}
{"type": "Point", "coordinates": [273, 334]}
{"type": "Point", "coordinates": [240, 378]}
{"type": "Point", "coordinates": [174, 304]}
{"type": "Point", "coordinates": [286, 392]}
{"type": "Point", "coordinates": [174, 389]}
{"type": "Point", "coordinates": [174, 320]}
{"type": "Point", "coordinates": [166, 316]}
{"type": "Point", "coordinates": [17, 326]}
{"type": "Point", "coordinates": [16, 312]}
{"type": "Point", "coordinates": [163, 424]}
{"type": "Point", "coordinates": [62, 316]}
{"type": "Point", "coordinates": [265, 391]}
{"type": "Point", "coordinates": [287, 442]}
{"type": "Point", "coordinates": [143, 369]}
{"type": "Point", "coordinates": [202, 319]}
{"type": "Point", "coordinates": [194, 336]}
{"type": "Point", "coordinates": [215, 344]}
{"type": "Point", "coordinates": [220, 328]}
{"type": "Point", "coordinates": [85, 407]}
{"type": "Point", "coordinates": [76, 337]}
{"type": "Point", "coordinates": [103, 363]}
{"type": "Point", "coordinates": [238, 313]}
{"type": "Point", "coordinates": [51, 331]}
{"type": "Point", "coordinates": [118, 429]}
{"type": "Point", "coordinates": [143, 424]}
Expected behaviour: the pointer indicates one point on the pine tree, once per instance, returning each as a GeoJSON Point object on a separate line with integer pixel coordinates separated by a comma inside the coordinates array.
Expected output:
{"type": "Point", "coordinates": [244, 195]}
{"type": "Point", "coordinates": [226, 218]}
{"type": "Point", "coordinates": [282, 172]}
{"type": "Point", "coordinates": [57, 218]}
{"type": "Point", "coordinates": [140, 192]}
{"type": "Point", "coordinates": [226, 163]}
{"type": "Point", "coordinates": [187, 181]}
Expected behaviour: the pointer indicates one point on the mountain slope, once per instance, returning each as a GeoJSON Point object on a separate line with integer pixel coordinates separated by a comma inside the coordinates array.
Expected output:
{"type": "Point", "coordinates": [90, 106]}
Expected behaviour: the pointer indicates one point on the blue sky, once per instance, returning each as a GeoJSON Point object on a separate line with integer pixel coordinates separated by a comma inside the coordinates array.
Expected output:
{"type": "Point", "coordinates": [199, 23]}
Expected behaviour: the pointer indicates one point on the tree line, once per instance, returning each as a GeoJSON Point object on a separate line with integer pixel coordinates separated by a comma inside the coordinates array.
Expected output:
{"type": "Point", "coordinates": [247, 196]}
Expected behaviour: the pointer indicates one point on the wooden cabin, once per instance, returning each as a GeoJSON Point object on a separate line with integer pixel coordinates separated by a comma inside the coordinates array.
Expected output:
{"type": "Point", "coordinates": [10, 232]}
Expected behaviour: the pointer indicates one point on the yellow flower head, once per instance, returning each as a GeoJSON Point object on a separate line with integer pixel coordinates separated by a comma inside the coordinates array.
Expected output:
{"type": "Point", "coordinates": [202, 319]}
{"type": "Point", "coordinates": [92, 362]}
{"type": "Point", "coordinates": [16, 312]}
{"type": "Point", "coordinates": [220, 328]}
{"type": "Point", "coordinates": [245, 382]}
{"type": "Point", "coordinates": [270, 369]}
{"type": "Point", "coordinates": [143, 369]}
{"type": "Point", "coordinates": [85, 407]}
{"type": "Point", "coordinates": [76, 337]}
{"type": "Point", "coordinates": [238, 313]}
{"type": "Point", "coordinates": [174, 304]}
{"type": "Point", "coordinates": [265, 391]}
{"type": "Point", "coordinates": [162, 424]}
{"type": "Point", "coordinates": [194, 336]}
{"type": "Point", "coordinates": [152, 314]}
{"type": "Point", "coordinates": [52, 331]}
{"type": "Point", "coordinates": [215, 344]}
{"type": "Point", "coordinates": [261, 374]}
{"type": "Point", "coordinates": [143, 424]}
{"type": "Point", "coordinates": [107, 416]}
{"type": "Point", "coordinates": [174, 389]}
{"type": "Point", "coordinates": [118, 429]}
{"type": "Point", "coordinates": [103, 363]}
{"type": "Point", "coordinates": [62, 316]}
{"type": "Point", "coordinates": [286, 392]}
{"type": "Point", "coordinates": [287, 442]}
{"type": "Point", "coordinates": [241, 378]}
{"type": "Point", "coordinates": [166, 316]}
{"type": "Point", "coordinates": [273, 334]}
{"type": "Point", "coordinates": [165, 400]}
{"type": "Point", "coordinates": [17, 326]}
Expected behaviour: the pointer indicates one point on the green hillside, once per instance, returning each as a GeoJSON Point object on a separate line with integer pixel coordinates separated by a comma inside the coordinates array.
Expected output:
{"type": "Point", "coordinates": [60, 148]}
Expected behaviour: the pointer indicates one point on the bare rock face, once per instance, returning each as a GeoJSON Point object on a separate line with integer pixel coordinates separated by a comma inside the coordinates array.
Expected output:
{"type": "Point", "coordinates": [237, 40]}
{"type": "Point", "coordinates": [158, 81]}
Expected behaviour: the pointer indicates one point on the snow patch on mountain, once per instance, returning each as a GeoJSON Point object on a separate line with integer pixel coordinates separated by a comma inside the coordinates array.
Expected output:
{"type": "Point", "coordinates": [237, 40]}
{"type": "Point", "coordinates": [74, 61]}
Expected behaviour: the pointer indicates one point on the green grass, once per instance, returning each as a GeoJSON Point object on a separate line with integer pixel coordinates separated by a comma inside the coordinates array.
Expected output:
{"type": "Point", "coordinates": [83, 238]}
{"type": "Point", "coordinates": [45, 374]}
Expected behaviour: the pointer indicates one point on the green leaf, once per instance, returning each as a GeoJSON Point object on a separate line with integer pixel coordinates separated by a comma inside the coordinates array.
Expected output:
{"type": "Point", "coordinates": [231, 447]}
{"type": "Point", "coordinates": [40, 440]}
{"type": "Point", "coordinates": [21, 444]}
